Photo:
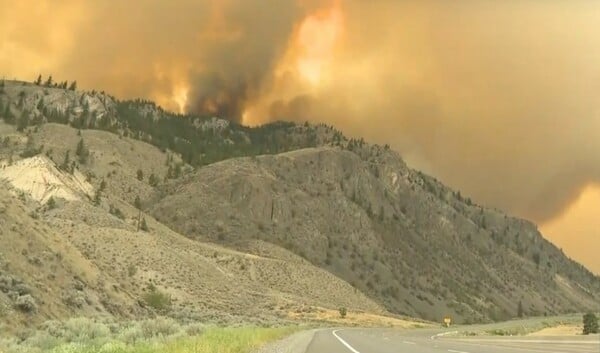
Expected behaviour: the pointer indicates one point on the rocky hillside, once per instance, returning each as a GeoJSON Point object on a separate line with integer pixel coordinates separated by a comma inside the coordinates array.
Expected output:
{"type": "Point", "coordinates": [264, 221]}
{"type": "Point", "coordinates": [198, 140]}
{"type": "Point", "coordinates": [399, 236]}
{"type": "Point", "coordinates": [95, 254]}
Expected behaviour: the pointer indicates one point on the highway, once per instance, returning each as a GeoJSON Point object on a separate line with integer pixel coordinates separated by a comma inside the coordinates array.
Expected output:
{"type": "Point", "coordinates": [437, 341]}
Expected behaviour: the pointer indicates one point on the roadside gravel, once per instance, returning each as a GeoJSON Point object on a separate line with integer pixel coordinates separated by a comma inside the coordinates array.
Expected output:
{"type": "Point", "coordinates": [296, 343]}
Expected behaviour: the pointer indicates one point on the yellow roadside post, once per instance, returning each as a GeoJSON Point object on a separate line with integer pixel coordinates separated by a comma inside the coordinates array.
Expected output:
{"type": "Point", "coordinates": [447, 321]}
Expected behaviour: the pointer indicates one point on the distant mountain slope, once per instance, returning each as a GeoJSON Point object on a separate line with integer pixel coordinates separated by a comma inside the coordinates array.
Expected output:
{"type": "Point", "coordinates": [302, 215]}
{"type": "Point", "coordinates": [399, 236]}
{"type": "Point", "coordinates": [198, 140]}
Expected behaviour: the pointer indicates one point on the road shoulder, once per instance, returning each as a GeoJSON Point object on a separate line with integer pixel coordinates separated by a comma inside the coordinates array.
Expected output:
{"type": "Point", "coordinates": [295, 343]}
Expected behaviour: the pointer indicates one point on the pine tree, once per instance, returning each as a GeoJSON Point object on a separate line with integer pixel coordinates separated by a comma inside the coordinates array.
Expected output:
{"type": "Point", "coordinates": [48, 82]}
{"type": "Point", "coordinates": [39, 80]}
{"type": "Point", "coordinates": [536, 259]}
{"type": "Point", "coordinates": [82, 152]}
{"type": "Point", "coordinates": [23, 122]}
{"type": "Point", "coordinates": [73, 86]}
{"type": "Point", "coordinates": [97, 197]}
{"type": "Point", "coordinates": [138, 204]}
{"type": "Point", "coordinates": [66, 164]}
{"type": "Point", "coordinates": [520, 309]}
{"type": "Point", "coordinates": [9, 118]}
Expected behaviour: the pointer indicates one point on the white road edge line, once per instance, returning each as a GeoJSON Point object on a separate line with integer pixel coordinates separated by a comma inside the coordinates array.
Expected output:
{"type": "Point", "coordinates": [443, 334]}
{"type": "Point", "coordinates": [527, 341]}
{"type": "Point", "coordinates": [408, 342]}
{"type": "Point", "coordinates": [453, 351]}
{"type": "Point", "coordinates": [344, 342]}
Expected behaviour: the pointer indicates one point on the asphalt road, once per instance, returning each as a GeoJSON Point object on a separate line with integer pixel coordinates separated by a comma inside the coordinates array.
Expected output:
{"type": "Point", "coordinates": [436, 341]}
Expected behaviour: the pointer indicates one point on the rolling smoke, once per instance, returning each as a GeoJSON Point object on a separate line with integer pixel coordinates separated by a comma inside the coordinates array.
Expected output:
{"type": "Point", "coordinates": [496, 98]}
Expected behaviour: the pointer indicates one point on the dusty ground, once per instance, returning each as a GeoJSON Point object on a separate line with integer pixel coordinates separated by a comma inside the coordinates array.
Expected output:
{"type": "Point", "coordinates": [561, 330]}
{"type": "Point", "coordinates": [563, 325]}
{"type": "Point", "coordinates": [358, 318]}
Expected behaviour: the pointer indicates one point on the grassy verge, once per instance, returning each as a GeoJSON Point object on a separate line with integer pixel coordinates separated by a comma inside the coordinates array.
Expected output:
{"type": "Point", "coordinates": [144, 337]}
{"type": "Point", "coordinates": [215, 340]}
{"type": "Point", "coordinates": [228, 340]}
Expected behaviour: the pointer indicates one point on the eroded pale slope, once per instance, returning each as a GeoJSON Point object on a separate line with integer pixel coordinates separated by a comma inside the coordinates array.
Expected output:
{"type": "Point", "coordinates": [39, 177]}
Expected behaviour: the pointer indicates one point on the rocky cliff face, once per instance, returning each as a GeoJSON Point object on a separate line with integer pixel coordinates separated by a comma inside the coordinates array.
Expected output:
{"type": "Point", "coordinates": [39, 103]}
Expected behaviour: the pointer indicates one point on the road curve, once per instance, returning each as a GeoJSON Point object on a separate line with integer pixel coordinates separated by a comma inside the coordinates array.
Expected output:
{"type": "Point", "coordinates": [436, 341]}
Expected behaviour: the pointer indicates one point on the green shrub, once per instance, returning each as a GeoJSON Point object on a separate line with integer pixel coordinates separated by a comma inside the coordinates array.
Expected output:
{"type": "Point", "coordinates": [131, 270]}
{"type": "Point", "coordinates": [158, 300]}
{"type": "Point", "coordinates": [590, 324]}
{"type": "Point", "coordinates": [144, 225]}
{"type": "Point", "coordinates": [153, 180]}
{"type": "Point", "coordinates": [83, 330]}
{"type": "Point", "coordinates": [116, 212]}
{"type": "Point", "coordinates": [137, 203]}
{"type": "Point", "coordinates": [343, 312]}
{"type": "Point", "coordinates": [51, 203]}
{"type": "Point", "coordinates": [160, 326]}
{"type": "Point", "coordinates": [26, 303]}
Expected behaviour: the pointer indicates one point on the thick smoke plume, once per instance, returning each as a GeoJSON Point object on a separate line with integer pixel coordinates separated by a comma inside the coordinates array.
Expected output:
{"type": "Point", "coordinates": [496, 98]}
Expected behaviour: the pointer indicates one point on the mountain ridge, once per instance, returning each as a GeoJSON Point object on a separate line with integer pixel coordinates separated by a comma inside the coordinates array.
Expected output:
{"type": "Point", "coordinates": [396, 220]}
{"type": "Point", "coordinates": [393, 239]}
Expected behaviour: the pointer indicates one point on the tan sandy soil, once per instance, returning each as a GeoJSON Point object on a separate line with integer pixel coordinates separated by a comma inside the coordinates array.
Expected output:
{"type": "Point", "coordinates": [354, 319]}
{"type": "Point", "coordinates": [561, 330]}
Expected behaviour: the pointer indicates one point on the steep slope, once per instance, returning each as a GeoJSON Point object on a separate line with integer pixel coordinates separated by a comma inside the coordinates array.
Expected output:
{"type": "Point", "coordinates": [40, 178]}
{"type": "Point", "coordinates": [401, 237]}
{"type": "Point", "coordinates": [81, 257]}
{"type": "Point", "coordinates": [42, 275]}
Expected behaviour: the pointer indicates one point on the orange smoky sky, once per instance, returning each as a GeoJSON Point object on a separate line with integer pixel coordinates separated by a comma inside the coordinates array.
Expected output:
{"type": "Point", "coordinates": [499, 99]}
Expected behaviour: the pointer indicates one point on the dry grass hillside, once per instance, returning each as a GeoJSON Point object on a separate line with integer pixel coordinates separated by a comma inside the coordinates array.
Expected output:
{"type": "Point", "coordinates": [42, 275]}
{"type": "Point", "coordinates": [79, 257]}
{"type": "Point", "coordinates": [399, 236]}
